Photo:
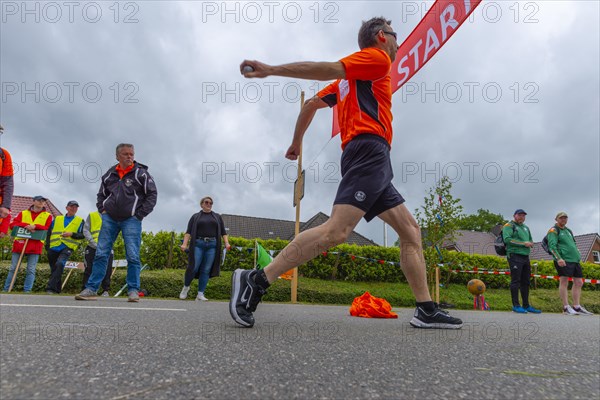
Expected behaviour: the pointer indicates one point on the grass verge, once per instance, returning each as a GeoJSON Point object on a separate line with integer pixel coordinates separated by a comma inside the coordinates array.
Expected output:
{"type": "Point", "coordinates": [167, 284]}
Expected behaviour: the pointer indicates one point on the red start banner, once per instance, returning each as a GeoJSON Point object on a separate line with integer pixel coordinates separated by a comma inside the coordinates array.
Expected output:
{"type": "Point", "coordinates": [437, 26]}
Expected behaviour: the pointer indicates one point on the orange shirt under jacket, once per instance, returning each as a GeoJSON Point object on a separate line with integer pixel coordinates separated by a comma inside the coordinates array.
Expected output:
{"type": "Point", "coordinates": [122, 172]}
{"type": "Point", "coordinates": [364, 98]}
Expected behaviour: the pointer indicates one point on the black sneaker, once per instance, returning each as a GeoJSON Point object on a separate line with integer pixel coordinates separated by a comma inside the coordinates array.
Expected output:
{"type": "Point", "coordinates": [245, 296]}
{"type": "Point", "coordinates": [439, 307]}
{"type": "Point", "coordinates": [438, 319]}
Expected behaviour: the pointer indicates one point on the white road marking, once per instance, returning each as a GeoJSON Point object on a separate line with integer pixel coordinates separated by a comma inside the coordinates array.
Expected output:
{"type": "Point", "coordinates": [101, 307]}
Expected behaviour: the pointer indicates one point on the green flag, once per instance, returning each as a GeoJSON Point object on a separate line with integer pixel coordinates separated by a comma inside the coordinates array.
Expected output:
{"type": "Point", "coordinates": [263, 258]}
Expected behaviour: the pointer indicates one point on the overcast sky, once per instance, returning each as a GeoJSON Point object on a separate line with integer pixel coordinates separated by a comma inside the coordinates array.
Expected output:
{"type": "Point", "coordinates": [508, 108]}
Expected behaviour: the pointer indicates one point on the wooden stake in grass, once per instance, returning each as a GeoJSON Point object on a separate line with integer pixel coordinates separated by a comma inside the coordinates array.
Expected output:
{"type": "Point", "coordinates": [255, 252]}
{"type": "Point", "coordinates": [72, 265]}
{"type": "Point", "coordinates": [298, 194]}
{"type": "Point", "coordinates": [12, 281]}
{"type": "Point", "coordinates": [66, 280]}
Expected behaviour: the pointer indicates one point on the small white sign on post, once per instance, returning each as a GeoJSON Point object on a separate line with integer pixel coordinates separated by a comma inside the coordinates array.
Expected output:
{"type": "Point", "coordinates": [74, 265]}
{"type": "Point", "coordinates": [71, 265]}
{"type": "Point", "coordinates": [119, 263]}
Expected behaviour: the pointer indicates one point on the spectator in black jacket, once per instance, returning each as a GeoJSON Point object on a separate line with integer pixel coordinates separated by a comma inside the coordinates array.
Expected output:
{"type": "Point", "coordinates": [205, 230]}
{"type": "Point", "coordinates": [127, 194]}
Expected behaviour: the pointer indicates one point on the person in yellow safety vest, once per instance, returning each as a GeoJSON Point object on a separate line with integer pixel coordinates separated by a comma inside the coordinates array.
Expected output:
{"type": "Point", "coordinates": [91, 231]}
{"type": "Point", "coordinates": [35, 218]}
{"type": "Point", "coordinates": [65, 233]}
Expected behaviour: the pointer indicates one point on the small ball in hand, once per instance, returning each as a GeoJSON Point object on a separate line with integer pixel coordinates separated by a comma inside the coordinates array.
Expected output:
{"type": "Point", "coordinates": [247, 68]}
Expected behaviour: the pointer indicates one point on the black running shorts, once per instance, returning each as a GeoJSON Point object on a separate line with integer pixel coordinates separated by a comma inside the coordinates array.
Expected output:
{"type": "Point", "coordinates": [572, 270]}
{"type": "Point", "coordinates": [367, 176]}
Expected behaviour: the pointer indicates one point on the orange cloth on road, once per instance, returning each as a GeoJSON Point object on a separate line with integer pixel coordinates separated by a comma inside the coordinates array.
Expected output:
{"type": "Point", "coordinates": [368, 306]}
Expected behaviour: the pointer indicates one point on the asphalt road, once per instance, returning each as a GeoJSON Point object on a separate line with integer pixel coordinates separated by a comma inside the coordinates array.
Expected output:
{"type": "Point", "coordinates": [56, 347]}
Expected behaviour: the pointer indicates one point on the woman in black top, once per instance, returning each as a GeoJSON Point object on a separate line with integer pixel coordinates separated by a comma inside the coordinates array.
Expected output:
{"type": "Point", "coordinates": [204, 258]}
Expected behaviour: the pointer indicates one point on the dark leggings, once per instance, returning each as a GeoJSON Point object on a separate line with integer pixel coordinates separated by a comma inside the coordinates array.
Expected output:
{"type": "Point", "coordinates": [90, 253]}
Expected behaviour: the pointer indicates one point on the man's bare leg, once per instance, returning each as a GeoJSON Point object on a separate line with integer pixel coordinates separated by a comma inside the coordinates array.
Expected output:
{"type": "Point", "coordinates": [248, 286]}
{"type": "Point", "coordinates": [308, 244]}
{"type": "Point", "coordinates": [412, 261]}
{"type": "Point", "coordinates": [576, 291]}
{"type": "Point", "coordinates": [411, 250]}
{"type": "Point", "coordinates": [563, 290]}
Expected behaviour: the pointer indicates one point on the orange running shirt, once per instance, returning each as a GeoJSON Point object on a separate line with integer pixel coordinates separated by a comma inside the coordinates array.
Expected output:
{"type": "Point", "coordinates": [6, 170]}
{"type": "Point", "coordinates": [6, 167]}
{"type": "Point", "coordinates": [364, 98]}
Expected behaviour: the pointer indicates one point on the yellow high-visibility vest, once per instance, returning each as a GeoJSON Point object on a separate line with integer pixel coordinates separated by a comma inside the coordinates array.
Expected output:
{"type": "Point", "coordinates": [59, 227]}
{"type": "Point", "coordinates": [95, 224]}
{"type": "Point", "coordinates": [41, 219]}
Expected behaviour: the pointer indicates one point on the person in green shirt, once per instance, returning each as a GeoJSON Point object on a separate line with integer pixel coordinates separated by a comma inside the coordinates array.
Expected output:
{"type": "Point", "coordinates": [567, 263]}
{"type": "Point", "coordinates": [517, 238]}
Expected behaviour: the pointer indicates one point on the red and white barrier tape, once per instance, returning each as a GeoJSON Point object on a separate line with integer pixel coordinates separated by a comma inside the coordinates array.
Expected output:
{"type": "Point", "coordinates": [486, 272]}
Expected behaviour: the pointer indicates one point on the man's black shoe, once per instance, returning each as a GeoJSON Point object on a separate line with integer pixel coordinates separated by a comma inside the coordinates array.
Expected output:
{"type": "Point", "coordinates": [245, 296]}
{"type": "Point", "coordinates": [437, 319]}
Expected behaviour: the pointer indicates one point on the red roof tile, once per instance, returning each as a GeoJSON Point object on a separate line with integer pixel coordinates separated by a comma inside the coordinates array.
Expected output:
{"type": "Point", "coordinates": [472, 242]}
{"type": "Point", "coordinates": [266, 228]}
{"type": "Point", "coordinates": [483, 243]}
{"type": "Point", "coordinates": [20, 203]}
{"type": "Point", "coordinates": [584, 245]}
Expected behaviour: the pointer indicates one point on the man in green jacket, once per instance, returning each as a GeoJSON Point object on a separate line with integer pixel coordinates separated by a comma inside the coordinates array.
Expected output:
{"type": "Point", "coordinates": [567, 263]}
{"type": "Point", "coordinates": [517, 238]}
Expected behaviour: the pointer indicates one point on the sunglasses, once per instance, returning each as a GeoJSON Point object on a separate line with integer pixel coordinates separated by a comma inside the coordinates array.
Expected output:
{"type": "Point", "coordinates": [208, 202]}
{"type": "Point", "coordinates": [392, 33]}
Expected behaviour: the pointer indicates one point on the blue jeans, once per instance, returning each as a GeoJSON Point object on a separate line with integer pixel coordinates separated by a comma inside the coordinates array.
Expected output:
{"type": "Point", "coordinates": [204, 256]}
{"type": "Point", "coordinates": [131, 229]}
{"type": "Point", "coordinates": [32, 260]}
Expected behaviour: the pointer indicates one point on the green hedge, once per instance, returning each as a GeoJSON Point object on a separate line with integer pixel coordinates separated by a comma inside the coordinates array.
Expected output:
{"type": "Point", "coordinates": [342, 263]}
{"type": "Point", "coordinates": [158, 283]}
{"type": "Point", "coordinates": [167, 284]}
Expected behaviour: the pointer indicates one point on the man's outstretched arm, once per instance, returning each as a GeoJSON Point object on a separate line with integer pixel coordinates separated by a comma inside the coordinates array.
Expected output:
{"type": "Point", "coordinates": [320, 71]}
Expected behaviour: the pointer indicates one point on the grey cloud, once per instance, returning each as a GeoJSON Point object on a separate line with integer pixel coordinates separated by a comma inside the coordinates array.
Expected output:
{"type": "Point", "coordinates": [175, 52]}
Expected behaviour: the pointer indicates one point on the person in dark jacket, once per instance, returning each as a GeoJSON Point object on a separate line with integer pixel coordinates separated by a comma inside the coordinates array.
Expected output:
{"type": "Point", "coordinates": [205, 229]}
{"type": "Point", "coordinates": [127, 195]}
